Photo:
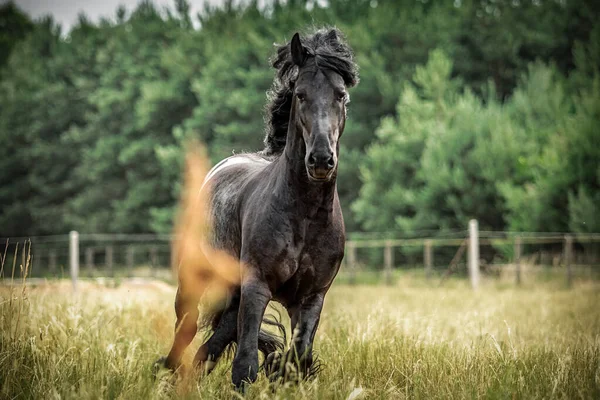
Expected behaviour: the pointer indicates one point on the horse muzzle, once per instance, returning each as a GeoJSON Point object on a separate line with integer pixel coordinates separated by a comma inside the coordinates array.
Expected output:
{"type": "Point", "coordinates": [320, 166]}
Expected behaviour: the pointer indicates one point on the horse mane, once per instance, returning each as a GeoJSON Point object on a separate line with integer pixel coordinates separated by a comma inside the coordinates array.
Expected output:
{"type": "Point", "coordinates": [328, 49]}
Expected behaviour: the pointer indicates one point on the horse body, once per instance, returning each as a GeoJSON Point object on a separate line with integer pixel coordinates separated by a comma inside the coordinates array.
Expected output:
{"type": "Point", "coordinates": [290, 231]}
{"type": "Point", "coordinates": [278, 212]}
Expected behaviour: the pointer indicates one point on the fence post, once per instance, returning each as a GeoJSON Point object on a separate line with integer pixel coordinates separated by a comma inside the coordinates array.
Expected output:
{"type": "Point", "coordinates": [517, 251]}
{"type": "Point", "coordinates": [89, 260]}
{"type": "Point", "coordinates": [154, 260]}
{"type": "Point", "coordinates": [428, 257]}
{"type": "Point", "coordinates": [130, 259]}
{"type": "Point", "coordinates": [109, 254]}
{"type": "Point", "coordinates": [388, 261]}
{"type": "Point", "coordinates": [352, 261]}
{"type": "Point", "coordinates": [74, 257]}
{"type": "Point", "coordinates": [52, 261]}
{"type": "Point", "coordinates": [568, 258]}
{"type": "Point", "coordinates": [474, 253]}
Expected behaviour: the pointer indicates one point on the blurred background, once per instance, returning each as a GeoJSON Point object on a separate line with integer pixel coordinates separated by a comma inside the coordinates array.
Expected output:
{"type": "Point", "coordinates": [482, 109]}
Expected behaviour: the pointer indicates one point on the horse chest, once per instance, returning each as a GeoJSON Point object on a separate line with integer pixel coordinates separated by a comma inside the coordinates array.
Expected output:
{"type": "Point", "coordinates": [307, 268]}
{"type": "Point", "coordinates": [295, 247]}
{"type": "Point", "coordinates": [297, 259]}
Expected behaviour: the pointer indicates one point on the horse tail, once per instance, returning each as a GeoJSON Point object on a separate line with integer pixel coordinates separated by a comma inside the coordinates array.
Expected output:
{"type": "Point", "coordinates": [270, 342]}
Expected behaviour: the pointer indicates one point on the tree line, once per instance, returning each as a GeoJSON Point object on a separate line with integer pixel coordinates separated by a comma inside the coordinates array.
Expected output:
{"type": "Point", "coordinates": [484, 109]}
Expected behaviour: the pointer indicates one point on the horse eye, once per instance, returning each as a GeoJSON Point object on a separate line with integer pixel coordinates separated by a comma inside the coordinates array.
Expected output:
{"type": "Point", "coordinates": [341, 96]}
{"type": "Point", "coordinates": [301, 96]}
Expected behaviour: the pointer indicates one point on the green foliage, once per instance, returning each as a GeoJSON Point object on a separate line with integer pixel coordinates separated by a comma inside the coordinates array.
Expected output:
{"type": "Point", "coordinates": [563, 186]}
{"type": "Point", "coordinates": [498, 123]}
{"type": "Point", "coordinates": [40, 104]}
{"type": "Point", "coordinates": [528, 164]}
{"type": "Point", "coordinates": [135, 109]}
{"type": "Point", "coordinates": [14, 26]}
{"type": "Point", "coordinates": [424, 166]}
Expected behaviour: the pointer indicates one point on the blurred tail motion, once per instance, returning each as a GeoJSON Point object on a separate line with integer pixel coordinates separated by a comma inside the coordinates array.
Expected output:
{"type": "Point", "coordinates": [199, 267]}
{"type": "Point", "coordinates": [202, 271]}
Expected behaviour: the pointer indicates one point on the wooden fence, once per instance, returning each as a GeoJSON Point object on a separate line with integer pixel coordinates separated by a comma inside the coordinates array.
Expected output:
{"type": "Point", "coordinates": [472, 241]}
{"type": "Point", "coordinates": [104, 254]}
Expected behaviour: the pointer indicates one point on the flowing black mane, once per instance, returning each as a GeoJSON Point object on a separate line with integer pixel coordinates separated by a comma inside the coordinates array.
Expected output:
{"type": "Point", "coordinates": [328, 50]}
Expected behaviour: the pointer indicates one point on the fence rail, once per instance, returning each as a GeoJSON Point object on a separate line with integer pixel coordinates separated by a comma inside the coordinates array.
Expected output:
{"type": "Point", "coordinates": [86, 255]}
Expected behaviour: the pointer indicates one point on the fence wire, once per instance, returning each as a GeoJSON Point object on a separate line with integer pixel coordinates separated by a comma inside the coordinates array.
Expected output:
{"type": "Point", "coordinates": [505, 255]}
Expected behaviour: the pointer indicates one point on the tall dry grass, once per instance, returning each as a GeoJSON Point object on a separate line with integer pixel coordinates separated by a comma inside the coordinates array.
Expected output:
{"type": "Point", "coordinates": [406, 341]}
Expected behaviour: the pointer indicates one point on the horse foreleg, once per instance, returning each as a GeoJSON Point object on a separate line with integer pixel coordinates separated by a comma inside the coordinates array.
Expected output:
{"type": "Point", "coordinates": [186, 309]}
{"type": "Point", "coordinates": [254, 300]}
{"type": "Point", "coordinates": [224, 333]}
{"type": "Point", "coordinates": [305, 321]}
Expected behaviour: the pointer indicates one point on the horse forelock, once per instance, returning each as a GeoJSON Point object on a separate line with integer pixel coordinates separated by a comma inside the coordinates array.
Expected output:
{"type": "Point", "coordinates": [326, 49]}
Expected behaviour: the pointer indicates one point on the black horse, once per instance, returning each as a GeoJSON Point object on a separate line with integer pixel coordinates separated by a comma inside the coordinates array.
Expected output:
{"type": "Point", "coordinates": [278, 212]}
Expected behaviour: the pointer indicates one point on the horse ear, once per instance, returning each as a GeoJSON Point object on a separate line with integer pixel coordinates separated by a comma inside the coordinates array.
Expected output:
{"type": "Point", "coordinates": [332, 35]}
{"type": "Point", "coordinates": [298, 51]}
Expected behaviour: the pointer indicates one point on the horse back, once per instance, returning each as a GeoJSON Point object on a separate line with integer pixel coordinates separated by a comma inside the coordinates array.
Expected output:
{"type": "Point", "coordinates": [229, 184]}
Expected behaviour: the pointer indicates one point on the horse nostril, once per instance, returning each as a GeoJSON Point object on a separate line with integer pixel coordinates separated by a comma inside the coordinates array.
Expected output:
{"type": "Point", "coordinates": [330, 163]}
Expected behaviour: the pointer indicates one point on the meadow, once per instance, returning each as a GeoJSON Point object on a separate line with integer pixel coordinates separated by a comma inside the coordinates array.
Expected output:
{"type": "Point", "coordinates": [410, 340]}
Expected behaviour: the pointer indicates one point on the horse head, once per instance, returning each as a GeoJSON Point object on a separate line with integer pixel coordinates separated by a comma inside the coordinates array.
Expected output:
{"type": "Point", "coordinates": [314, 74]}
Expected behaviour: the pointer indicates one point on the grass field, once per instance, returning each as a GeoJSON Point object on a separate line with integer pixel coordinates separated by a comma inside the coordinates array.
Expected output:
{"type": "Point", "coordinates": [407, 341]}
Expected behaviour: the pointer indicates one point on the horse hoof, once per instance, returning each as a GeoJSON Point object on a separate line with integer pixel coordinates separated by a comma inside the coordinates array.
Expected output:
{"type": "Point", "coordinates": [158, 365]}
{"type": "Point", "coordinates": [273, 365]}
{"type": "Point", "coordinates": [242, 389]}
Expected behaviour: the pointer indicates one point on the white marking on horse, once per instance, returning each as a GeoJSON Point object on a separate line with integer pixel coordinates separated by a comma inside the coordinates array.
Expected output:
{"type": "Point", "coordinates": [231, 161]}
